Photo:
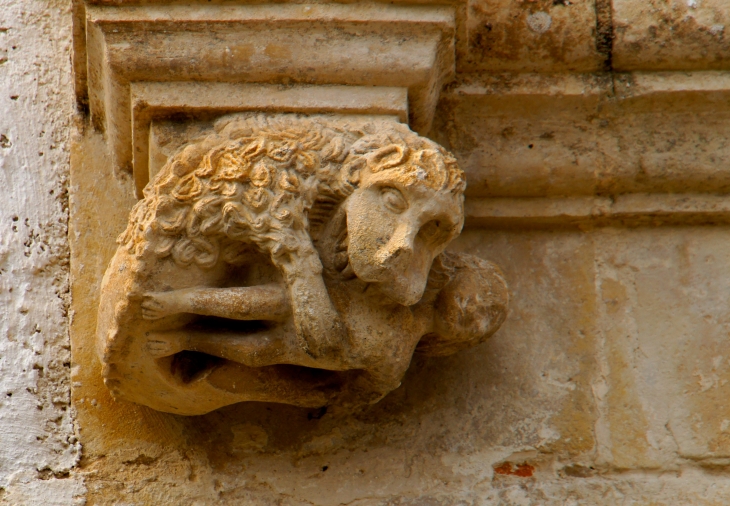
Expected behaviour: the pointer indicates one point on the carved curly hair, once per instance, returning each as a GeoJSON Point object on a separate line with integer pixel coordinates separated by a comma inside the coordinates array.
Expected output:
{"type": "Point", "coordinates": [267, 181]}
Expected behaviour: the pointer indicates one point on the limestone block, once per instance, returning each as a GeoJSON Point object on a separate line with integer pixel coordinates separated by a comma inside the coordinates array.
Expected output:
{"type": "Point", "coordinates": [544, 359]}
{"type": "Point", "coordinates": [671, 35]}
{"type": "Point", "coordinates": [664, 326]}
{"type": "Point", "coordinates": [630, 209]}
{"type": "Point", "coordinates": [532, 36]}
{"type": "Point", "coordinates": [552, 136]}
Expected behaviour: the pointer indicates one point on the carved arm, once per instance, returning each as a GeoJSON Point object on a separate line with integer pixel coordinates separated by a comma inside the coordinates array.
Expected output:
{"type": "Point", "coordinates": [319, 328]}
{"type": "Point", "coordinates": [262, 302]}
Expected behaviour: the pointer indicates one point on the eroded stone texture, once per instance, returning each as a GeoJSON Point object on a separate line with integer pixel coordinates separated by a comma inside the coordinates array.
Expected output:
{"type": "Point", "coordinates": [38, 447]}
{"type": "Point", "coordinates": [671, 35]}
{"type": "Point", "coordinates": [534, 136]}
{"type": "Point", "coordinates": [532, 36]}
{"type": "Point", "coordinates": [606, 384]}
{"type": "Point", "coordinates": [520, 400]}
{"type": "Point", "coordinates": [665, 321]}
{"type": "Point", "coordinates": [586, 379]}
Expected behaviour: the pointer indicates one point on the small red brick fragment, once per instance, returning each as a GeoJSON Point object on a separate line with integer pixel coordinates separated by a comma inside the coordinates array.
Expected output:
{"type": "Point", "coordinates": [521, 470]}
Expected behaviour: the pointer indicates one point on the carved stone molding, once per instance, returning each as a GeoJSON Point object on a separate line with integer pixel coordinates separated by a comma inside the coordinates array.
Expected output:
{"type": "Point", "coordinates": [151, 100]}
{"type": "Point", "coordinates": [203, 59]}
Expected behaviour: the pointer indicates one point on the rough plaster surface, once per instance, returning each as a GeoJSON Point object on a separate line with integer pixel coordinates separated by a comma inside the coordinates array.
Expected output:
{"type": "Point", "coordinates": [37, 443]}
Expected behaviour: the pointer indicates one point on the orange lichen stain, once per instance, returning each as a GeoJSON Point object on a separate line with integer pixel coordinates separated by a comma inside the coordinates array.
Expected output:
{"type": "Point", "coordinates": [521, 470]}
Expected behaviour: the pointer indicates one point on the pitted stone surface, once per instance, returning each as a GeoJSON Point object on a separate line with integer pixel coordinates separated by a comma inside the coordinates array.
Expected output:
{"type": "Point", "coordinates": [38, 446]}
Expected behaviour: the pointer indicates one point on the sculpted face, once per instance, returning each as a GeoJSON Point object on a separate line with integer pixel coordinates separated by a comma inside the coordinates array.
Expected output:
{"type": "Point", "coordinates": [396, 227]}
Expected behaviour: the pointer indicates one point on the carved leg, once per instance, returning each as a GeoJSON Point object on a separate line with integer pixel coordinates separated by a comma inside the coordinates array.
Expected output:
{"type": "Point", "coordinates": [259, 349]}
{"type": "Point", "coordinates": [319, 328]}
{"type": "Point", "coordinates": [164, 344]}
{"type": "Point", "coordinates": [253, 350]}
{"type": "Point", "coordinates": [263, 302]}
{"type": "Point", "coordinates": [310, 389]}
{"type": "Point", "coordinates": [320, 335]}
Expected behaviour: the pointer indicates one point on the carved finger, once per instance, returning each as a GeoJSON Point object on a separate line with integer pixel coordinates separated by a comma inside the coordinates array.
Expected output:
{"type": "Point", "coordinates": [151, 303]}
{"type": "Point", "coordinates": [162, 348]}
{"type": "Point", "coordinates": [152, 314]}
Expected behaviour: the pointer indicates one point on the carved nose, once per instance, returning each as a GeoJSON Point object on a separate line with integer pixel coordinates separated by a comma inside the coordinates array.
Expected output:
{"type": "Point", "coordinates": [399, 247]}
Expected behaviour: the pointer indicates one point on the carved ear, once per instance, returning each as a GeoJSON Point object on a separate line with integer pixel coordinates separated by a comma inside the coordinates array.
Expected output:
{"type": "Point", "coordinates": [387, 157]}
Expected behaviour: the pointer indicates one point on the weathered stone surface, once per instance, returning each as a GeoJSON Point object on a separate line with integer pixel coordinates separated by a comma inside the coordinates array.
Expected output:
{"type": "Point", "coordinates": [522, 399]}
{"type": "Point", "coordinates": [607, 384]}
{"type": "Point", "coordinates": [588, 377]}
{"type": "Point", "coordinates": [532, 36]}
{"type": "Point", "coordinates": [665, 328]}
{"type": "Point", "coordinates": [671, 35]}
{"type": "Point", "coordinates": [316, 244]}
{"type": "Point", "coordinates": [38, 447]}
{"type": "Point", "coordinates": [534, 136]}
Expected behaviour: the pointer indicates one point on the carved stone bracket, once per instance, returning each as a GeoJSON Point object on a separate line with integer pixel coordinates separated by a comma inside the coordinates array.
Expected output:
{"type": "Point", "coordinates": [151, 61]}
{"type": "Point", "coordinates": [294, 258]}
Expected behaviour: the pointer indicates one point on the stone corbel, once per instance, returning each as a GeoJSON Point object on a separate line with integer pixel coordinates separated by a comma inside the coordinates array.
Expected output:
{"type": "Point", "coordinates": [149, 62]}
{"type": "Point", "coordinates": [289, 244]}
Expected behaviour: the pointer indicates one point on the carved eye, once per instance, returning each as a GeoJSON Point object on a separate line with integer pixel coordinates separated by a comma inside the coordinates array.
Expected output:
{"type": "Point", "coordinates": [393, 199]}
{"type": "Point", "coordinates": [430, 230]}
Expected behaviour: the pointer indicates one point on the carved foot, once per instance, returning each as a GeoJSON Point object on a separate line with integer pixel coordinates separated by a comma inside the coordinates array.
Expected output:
{"type": "Point", "coordinates": [156, 305]}
{"type": "Point", "coordinates": [164, 344]}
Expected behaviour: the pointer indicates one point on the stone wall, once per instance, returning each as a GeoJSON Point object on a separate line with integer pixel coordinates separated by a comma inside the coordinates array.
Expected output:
{"type": "Point", "coordinates": [39, 446]}
{"type": "Point", "coordinates": [593, 137]}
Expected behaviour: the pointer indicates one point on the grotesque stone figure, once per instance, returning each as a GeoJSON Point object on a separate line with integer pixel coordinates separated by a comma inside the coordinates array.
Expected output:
{"type": "Point", "coordinates": [295, 260]}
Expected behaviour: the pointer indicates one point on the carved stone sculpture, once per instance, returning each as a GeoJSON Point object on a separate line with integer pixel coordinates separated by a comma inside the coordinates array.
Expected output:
{"type": "Point", "coordinates": [292, 259]}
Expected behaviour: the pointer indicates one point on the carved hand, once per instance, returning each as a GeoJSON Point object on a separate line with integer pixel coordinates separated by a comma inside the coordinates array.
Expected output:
{"type": "Point", "coordinates": [156, 305]}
